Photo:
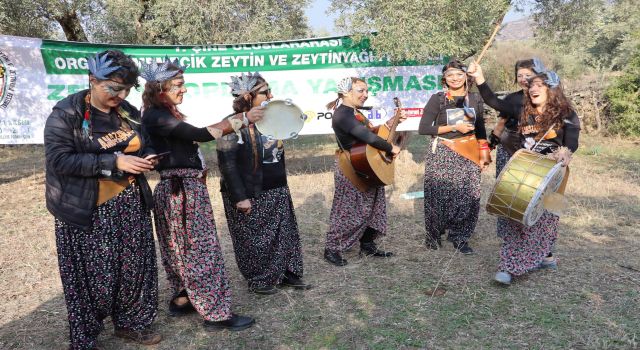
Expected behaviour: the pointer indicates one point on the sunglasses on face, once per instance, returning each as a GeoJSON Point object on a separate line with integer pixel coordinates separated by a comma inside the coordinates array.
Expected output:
{"type": "Point", "coordinates": [266, 92]}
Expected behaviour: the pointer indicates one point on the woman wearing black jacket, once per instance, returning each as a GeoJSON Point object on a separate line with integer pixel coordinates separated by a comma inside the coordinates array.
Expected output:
{"type": "Point", "coordinates": [96, 157]}
{"type": "Point", "coordinates": [191, 253]}
{"type": "Point", "coordinates": [257, 200]}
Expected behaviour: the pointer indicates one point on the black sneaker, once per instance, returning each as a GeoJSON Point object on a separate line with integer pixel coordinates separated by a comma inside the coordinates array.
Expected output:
{"type": "Point", "coordinates": [291, 280]}
{"type": "Point", "coordinates": [334, 258]}
{"type": "Point", "coordinates": [176, 310]}
{"type": "Point", "coordinates": [235, 323]}
{"type": "Point", "coordinates": [463, 248]}
{"type": "Point", "coordinates": [370, 249]}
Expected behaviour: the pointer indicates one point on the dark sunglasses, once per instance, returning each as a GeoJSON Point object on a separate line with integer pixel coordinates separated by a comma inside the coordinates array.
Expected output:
{"type": "Point", "coordinates": [266, 92]}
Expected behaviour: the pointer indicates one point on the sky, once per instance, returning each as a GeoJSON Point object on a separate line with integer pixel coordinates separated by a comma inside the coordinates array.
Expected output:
{"type": "Point", "coordinates": [319, 20]}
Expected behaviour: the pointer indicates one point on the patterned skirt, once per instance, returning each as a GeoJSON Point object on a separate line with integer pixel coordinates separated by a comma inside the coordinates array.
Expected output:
{"type": "Point", "coordinates": [451, 194]}
{"type": "Point", "coordinates": [191, 253]}
{"type": "Point", "coordinates": [109, 269]}
{"type": "Point", "coordinates": [266, 242]}
{"type": "Point", "coordinates": [502, 157]}
{"type": "Point", "coordinates": [352, 212]}
{"type": "Point", "coordinates": [524, 248]}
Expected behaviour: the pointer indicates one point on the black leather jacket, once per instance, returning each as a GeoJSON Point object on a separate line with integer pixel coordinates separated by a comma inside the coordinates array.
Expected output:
{"type": "Point", "coordinates": [241, 171]}
{"type": "Point", "coordinates": [73, 163]}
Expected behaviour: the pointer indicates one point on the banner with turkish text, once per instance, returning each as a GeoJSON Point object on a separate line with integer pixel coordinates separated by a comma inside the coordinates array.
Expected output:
{"type": "Point", "coordinates": [35, 74]}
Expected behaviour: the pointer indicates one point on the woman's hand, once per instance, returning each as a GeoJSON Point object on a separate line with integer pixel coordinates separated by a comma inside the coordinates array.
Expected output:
{"type": "Point", "coordinates": [463, 127]}
{"type": "Point", "coordinates": [244, 206]}
{"type": "Point", "coordinates": [403, 117]}
{"type": "Point", "coordinates": [395, 150]}
{"type": "Point", "coordinates": [255, 114]}
{"type": "Point", "coordinates": [133, 164]}
{"type": "Point", "coordinates": [475, 71]}
{"type": "Point", "coordinates": [485, 159]}
{"type": "Point", "coordinates": [563, 155]}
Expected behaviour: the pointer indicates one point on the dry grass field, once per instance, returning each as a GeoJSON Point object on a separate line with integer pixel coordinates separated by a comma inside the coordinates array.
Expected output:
{"type": "Point", "coordinates": [591, 302]}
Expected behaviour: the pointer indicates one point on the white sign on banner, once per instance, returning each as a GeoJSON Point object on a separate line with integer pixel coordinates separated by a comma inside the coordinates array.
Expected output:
{"type": "Point", "coordinates": [35, 74]}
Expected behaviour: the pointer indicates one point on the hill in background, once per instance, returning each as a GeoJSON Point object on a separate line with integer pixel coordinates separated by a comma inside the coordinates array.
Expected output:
{"type": "Point", "coordinates": [521, 29]}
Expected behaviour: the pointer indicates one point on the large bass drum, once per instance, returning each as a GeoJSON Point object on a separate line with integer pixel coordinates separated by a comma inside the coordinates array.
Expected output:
{"type": "Point", "coordinates": [522, 185]}
{"type": "Point", "coordinates": [282, 120]}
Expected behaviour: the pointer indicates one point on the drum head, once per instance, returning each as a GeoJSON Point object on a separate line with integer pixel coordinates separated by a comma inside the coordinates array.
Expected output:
{"type": "Point", "coordinates": [282, 120]}
{"type": "Point", "coordinates": [549, 184]}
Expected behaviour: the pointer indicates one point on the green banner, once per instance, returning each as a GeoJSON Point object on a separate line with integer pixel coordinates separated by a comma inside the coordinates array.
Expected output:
{"type": "Point", "coordinates": [326, 53]}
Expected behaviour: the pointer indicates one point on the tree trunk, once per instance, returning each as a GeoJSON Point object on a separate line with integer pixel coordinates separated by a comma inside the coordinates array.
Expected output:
{"type": "Point", "coordinates": [71, 26]}
{"type": "Point", "coordinates": [141, 36]}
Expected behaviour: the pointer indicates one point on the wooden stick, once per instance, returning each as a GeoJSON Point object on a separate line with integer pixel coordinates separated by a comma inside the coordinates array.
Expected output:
{"type": "Point", "coordinates": [488, 44]}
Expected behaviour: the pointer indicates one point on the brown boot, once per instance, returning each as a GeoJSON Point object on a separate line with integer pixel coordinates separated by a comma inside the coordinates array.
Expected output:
{"type": "Point", "coordinates": [144, 337]}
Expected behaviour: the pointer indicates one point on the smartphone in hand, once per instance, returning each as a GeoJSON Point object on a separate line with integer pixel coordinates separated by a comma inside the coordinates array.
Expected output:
{"type": "Point", "coordinates": [157, 156]}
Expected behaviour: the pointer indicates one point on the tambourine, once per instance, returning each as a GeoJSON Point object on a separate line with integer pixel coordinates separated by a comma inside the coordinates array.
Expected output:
{"type": "Point", "coordinates": [282, 120]}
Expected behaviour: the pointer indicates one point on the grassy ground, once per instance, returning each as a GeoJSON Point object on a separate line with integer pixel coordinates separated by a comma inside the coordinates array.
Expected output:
{"type": "Point", "coordinates": [591, 302]}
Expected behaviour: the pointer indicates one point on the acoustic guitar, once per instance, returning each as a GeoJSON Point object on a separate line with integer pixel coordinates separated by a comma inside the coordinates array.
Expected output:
{"type": "Point", "coordinates": [375, 167]}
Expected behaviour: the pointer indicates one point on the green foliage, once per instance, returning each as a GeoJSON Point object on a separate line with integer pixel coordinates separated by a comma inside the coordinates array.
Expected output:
{"type": "Point", "coordinates": [617, 37]}
{"type": "Point", "coordinates": [624, 99]}
{"type": "Point", "coordinates": [411, 29]}
{"type": "Point", "coordinates": [203, 22]}
{"type": "Point", "coordinates": [165, 22]}
{"type": "Point", "coordinates": [600, 34]}
{"type": "Point", "coordinates": [21, 18]}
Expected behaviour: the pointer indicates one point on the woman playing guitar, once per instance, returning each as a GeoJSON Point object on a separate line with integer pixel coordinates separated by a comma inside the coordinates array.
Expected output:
{"type": "Point", "coordinates": [356, 215]}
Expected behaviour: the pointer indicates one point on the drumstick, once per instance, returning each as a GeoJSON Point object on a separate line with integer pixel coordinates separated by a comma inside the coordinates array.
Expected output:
{"type": "Point", "coordinates": [493, 35]}
{"type": "Point", "coordinates": [543, 136]}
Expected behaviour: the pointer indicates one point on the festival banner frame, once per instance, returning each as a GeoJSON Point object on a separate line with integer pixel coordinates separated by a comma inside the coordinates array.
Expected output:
{"type": "Point", "coordinates": [35, 74]}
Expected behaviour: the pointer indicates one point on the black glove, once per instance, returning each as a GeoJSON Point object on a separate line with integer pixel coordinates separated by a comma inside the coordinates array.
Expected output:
{"type": "Point", "coordinates": [493, 140]}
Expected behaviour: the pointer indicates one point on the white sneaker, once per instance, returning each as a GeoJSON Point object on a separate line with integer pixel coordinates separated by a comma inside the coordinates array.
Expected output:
{"type": "Point", "coordinates": [503, 277]}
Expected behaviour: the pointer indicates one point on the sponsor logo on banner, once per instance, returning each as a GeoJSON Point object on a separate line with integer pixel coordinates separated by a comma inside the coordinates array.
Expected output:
{"type": "Point", "coordinates": [375, 114]}
{"type": "Point", "coordinates": [372, 114]}
{"type": "Point", "coordinates": [415, 112]}
{"type": "Point", "coordinates": [311, 115]}
{"type": "Point", "coordinates": [7, 80]}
